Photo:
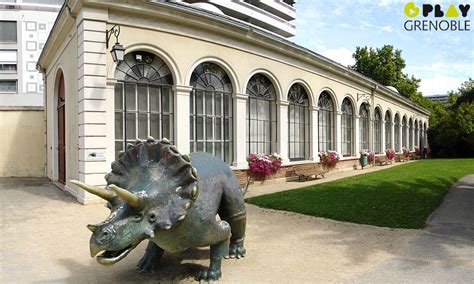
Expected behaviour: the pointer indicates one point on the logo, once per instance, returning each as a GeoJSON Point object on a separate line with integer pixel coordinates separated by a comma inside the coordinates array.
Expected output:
{"type": "Point", "coordinates": [440, 18]}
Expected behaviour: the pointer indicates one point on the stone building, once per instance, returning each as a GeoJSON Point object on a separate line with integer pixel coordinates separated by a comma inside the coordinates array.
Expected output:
{"type": "Point", "coordinates": [24, 28]}
{"type": "Point", "coordinates": [208, 81]}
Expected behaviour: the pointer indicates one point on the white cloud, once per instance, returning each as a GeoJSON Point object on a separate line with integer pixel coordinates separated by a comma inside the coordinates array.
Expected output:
{"type": "Point", "coordinates": [388, 29]}
{"type": "Point", "coordinates": [341, 55]}
{"type": "Point", "coordinates": [439, 84]}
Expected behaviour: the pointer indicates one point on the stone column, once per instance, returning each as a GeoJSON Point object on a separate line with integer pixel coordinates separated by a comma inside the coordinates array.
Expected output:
{"type": "Point", "coordinates": [392, 125]}
{"type": "Point", "coordinates": [371, 134]}
{"type": "Point", "coordinates": [338, 132]}
{"type": "Point", "coordinates": [383, 136]}
{"type": "Point", "coordinates": [357, 136]}
{"type": "Point", "coordinates": [400, 145]}
{"type": "Point", "coordinates": [314, 140]}
{"type": "Point", "coordinates": [181, 118]}
{"type": "Point", "coordinates": [240, 130]}
{"type": "Point", "coordinates": [282, 125]}
{"type": "Point", "coordinates": [93, 97]}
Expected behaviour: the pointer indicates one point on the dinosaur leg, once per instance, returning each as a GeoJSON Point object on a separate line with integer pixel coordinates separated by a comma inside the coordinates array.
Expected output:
{"type": "Point", "coordinates": [151, 259]}
{"type": "Point", "coordinates": [219, 249]}
{"type": "Point", "coordinates": [237, 223]}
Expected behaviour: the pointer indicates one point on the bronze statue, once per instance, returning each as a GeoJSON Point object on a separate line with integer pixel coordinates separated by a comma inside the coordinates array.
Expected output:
{"type": "Point", "coordinates": [172, 200]}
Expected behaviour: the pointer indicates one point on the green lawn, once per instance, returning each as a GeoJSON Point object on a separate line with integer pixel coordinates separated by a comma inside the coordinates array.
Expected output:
{"type": "Point", "coordinates": [398, 197]}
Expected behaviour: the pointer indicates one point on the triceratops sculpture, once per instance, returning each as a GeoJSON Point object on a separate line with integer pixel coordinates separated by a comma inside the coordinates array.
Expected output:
{"type": "Point", "coordinates": [156, 193]}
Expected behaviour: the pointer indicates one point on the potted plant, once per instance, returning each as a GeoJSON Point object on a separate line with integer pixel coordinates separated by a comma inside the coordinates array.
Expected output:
{"type": "Point", "coordinates": [264, 165]}
{"type": "Point", "coordinates": [406, 153]}
{"type": "Point", "coordinates": [390, 154]}
{"type": "Point", "coordinates": [329, 158]}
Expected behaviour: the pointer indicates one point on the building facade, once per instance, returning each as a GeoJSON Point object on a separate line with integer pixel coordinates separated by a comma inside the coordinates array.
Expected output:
{"type": "Point", "coordinates": [24, 28]}
{"type": "Point", "coordinates": [207, 82]}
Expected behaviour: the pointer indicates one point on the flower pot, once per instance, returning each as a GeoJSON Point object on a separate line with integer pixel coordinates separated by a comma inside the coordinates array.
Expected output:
{"type": "Point", "coordinates": [364, 161]}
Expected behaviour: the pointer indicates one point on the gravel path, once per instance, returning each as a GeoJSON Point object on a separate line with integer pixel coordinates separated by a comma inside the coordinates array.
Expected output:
{"type": "Point", "coordinates": [44, 239]}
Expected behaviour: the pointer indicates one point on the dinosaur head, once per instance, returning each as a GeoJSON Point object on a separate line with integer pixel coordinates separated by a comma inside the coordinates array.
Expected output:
{"type": "Point", "coordinates": [150, 189]}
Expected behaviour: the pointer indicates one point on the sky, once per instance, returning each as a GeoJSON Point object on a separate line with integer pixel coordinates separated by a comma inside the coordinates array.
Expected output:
{"type": "Point", "coordinates": [441, 59]}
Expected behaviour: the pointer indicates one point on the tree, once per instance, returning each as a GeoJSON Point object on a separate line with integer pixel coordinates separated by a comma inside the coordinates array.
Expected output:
{"type": "Point", "coordinates": [453, 133]}
{"type": "Point", "coordinates": [385, 65]}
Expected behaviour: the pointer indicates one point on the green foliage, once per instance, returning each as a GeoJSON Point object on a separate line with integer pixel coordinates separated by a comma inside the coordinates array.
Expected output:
{"type": "Point", "coordinates": [453, 133]}
{"type": "Point", "coordinates": [398, 197]}
{"type": "Point", "coordinates": [385, 65]}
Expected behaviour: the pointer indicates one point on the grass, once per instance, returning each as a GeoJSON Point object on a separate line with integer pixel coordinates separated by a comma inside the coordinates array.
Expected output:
{"type": "Point", "coordinates": [398, 197]}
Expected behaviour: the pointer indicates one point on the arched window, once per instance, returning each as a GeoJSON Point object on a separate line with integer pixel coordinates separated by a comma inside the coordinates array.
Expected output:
{"type": "Point", "coordinates": [364, 126]}
{"type": "Point", "coordinates": [143, 99]}
{"type": "Point", "coordinates": [347, 127]}
{"type": "Point", "coordinates": [410, 134]}
{"type": "Point", "coordinates": [378, 131]}
{"type": "Point", "coordinates": [298, 123]}
{"type": "Point", "coordinates": [404, 132]}
{"type": "Point", "coordinates": [388, 131]}
{"type": "Point", "coordinates": [261, 115]}
{"type": "Point", "coordinates": [325, 122]}
{"type": "Point", "coordinates": [211, 111]}
{"type": "Point", "coordinates": [396, 131]}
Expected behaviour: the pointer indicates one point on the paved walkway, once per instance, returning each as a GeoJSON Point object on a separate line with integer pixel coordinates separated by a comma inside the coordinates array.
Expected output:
{"type": "Point", "coordinates": [270, 186]}
{"type": "Point", "coordinates": [43, 239]}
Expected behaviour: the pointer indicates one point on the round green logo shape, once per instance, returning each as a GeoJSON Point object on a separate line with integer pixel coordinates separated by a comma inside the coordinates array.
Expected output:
{"type": "Point", "coordinates": [411, 10]}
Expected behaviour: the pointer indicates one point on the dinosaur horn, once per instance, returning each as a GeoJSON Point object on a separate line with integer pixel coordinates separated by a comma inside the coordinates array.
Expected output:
{"type": "Point", "coordinates": [126, 195]}
{"type": "Point", "coordinates": [100, 192]}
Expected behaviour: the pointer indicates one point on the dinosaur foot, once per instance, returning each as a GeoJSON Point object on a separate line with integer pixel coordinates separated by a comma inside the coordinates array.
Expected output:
{"type": "Point", "coordinates": [236, 250]}
{"type": "Point", "coordinates": [209, 275]}
{"type": "Point", "coordinates": [148, 264]}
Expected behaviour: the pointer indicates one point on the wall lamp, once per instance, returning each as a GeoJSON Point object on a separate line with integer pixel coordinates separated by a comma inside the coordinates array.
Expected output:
{"type": "Point", "coordinates": [118, 52]}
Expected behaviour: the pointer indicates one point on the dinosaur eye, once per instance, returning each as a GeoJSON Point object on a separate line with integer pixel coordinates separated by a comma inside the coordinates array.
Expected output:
{"type": "Point", "coordinates": [137, 217]}
{"type": "Point", "coordinates": [152, 217]}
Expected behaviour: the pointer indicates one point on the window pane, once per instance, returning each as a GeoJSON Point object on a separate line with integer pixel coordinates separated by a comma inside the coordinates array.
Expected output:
{"type": "Point", "coordinates": [209, 110]}
{"type": "Point", "coordinates": [209, 132]}
{"type": "Point", "coordinates": [217, 129]}
{"type": "Point", "coordinates": [199, 102]}
{"type": "Point", "coordinates": [199, 128]}
{"type": "Point", "coordinates": [167, 100]}
{"type": "Point", "coordinates": [8, 86]}
{"type": "Point", "coordinates": [155, 99]}
{"type": "Point", "coordinates": [142, 126]}
{"type": "Point", "coordinates": [142, 98]}
{"type": "Point", "coordinates": [8, 31]}
{"type": "Point", "coordinates": [167, 126]}
{"type": "Point", "coordinates": [218, 104]}
{"type": "Point", "coordinates": [118, 101]}
{"type": "Point", "coordinates": [130, 125]}
{"type": "Point", "coordinates": [130, 97]}
{"type": "Point", "coordinates": [118, 126]}
{"type": "Point", "coordinates": [155, 125]}
{"type": "Point", "coordinates": [8, 68]}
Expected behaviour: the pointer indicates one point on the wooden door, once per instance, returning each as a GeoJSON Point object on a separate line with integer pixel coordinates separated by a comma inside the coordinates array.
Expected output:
{"type": "Point", "coordinates": [61, 132]}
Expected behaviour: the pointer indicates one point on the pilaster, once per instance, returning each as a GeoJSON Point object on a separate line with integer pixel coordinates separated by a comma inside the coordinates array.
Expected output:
{"type": "Point", "coordinates": [314, 134]}
{"type": "Point", "coordinates": [283, 130]}
{"type": "Point", "coordinates": [357, 136]}
{"type": "Point", "coordinates": [182, 112]}
{"type": "Point", "coordinates": [338, 132]}
{"type": "Point", "coordinates": [92, 100]}
{"type": "Point", "coordinates": [240, 130]}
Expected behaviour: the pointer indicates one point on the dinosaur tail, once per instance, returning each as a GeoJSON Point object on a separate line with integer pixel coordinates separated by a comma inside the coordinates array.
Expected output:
{"type": "Point", "coordinates": [245, 187]}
